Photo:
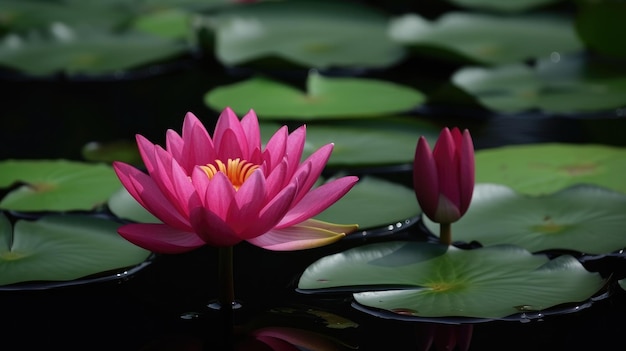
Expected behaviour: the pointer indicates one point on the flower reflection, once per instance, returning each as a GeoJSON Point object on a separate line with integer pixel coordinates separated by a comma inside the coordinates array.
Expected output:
{"type": "Point", "coordinates": [442, 337]}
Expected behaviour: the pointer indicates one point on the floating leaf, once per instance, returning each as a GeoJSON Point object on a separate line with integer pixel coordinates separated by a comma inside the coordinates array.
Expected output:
{"type": "Point", "coordinates": [55, 185]}
{"type": "Point", "coordinates": [537, 169]}
{"type": "Point", "coordinates": [559, 85]}
{"type": "Point", "coordinates": [587, 219]}
{"type": "Point", "coordinates": [85, 51]}
{"type": "Point", "coordinates": [418, 279]}
{"type": "Point", "coordinates": [326, 97]}
{"type": "Point", "coordinates": [124, 206]}
{"type": "Point", "coordinates": [487, 39]}
{"type": "Point", "coordinates": [62, 248]}
{"type": "Point", "coordinates": [317, 34]}
{"type": "Point", "coordinates": [373, 203]}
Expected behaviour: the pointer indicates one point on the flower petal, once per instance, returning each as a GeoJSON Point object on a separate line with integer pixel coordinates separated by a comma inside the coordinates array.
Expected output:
{"type": "Point", "coordinates": [447, 160]}
{"type": "Point", "coordinates": [229, 136]}
{"type": "Point", "coordinates": [198, 148]}
{"type": "Point", "coordinates": [250, 125]}
{"type": "Point", "coordinates": [272, 213]}
{"type": "Point", "coordinates": [275, 149]}
{"type": "Point", "coordinates": [249, 200]}
{"type": "Point", "coordinates": [145, 191]}
{"type": "Point", "coordinates": [425, 181]}
{"type": "Point", "coordinates": [160, 238]}
{"type": "Point", "coordinates": [317, 160]}
{"type": "Point", "coordinates": [467, 170]}
{"type": "Point", "coordinates": [295, 147]}
{"type": "Point", "coordinates": [219, 195]}
{"type": "Point", "coordinates": [211, 228]}
{"type": "Point", "coordinates": [307, 235]}
{"type": "Point", "coordinates": [317, 200]}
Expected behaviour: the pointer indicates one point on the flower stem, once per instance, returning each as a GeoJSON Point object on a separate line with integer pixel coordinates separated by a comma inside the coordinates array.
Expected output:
{"type": "Point", "coordinates": [225, 277]}
{"type": "Point", "coordinates": [445, 233]}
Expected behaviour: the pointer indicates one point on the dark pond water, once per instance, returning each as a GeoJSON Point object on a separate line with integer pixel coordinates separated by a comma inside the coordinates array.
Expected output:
{"type": "Point", "coordinates": [54, 118]}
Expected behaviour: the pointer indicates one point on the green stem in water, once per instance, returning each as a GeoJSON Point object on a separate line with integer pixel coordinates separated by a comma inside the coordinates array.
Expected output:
{"type": "Point", "coordinates": [225, 277]}
{"type": "Point", "coordinates": [445, 233]}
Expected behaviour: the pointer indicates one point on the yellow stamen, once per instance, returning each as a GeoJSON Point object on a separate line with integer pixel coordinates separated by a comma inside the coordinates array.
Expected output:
{"type": "Point", "coordinates": [236, 170]}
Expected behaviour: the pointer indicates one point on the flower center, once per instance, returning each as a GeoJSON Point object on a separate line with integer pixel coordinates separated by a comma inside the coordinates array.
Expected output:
{"type": "Point", "coordinates": [236, 170]}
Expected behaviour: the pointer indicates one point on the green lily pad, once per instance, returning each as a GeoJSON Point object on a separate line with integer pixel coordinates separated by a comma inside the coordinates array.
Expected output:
{"type": "Point", "coordinates": [509, 6]}
{"type": "Point", "coordinates": [537, 169]}
{"type": "Point", "coordinates": [316, 34]}
{"type": "Point", "coordinates": [587, 219]}
{"type": "Point", "coordinates": [55, 185]}
{"type": "Point", "coordinates": [325, 97]}
{"type": "Point", "coordinates": [85, 51]}
{"type": "Point", "coordinates": [430, 280]}
{"type": "Point", "coordinates": [622, 283]}
{"type": "Point", "coordinates": [376, 142]}
{"type": "Point", "coordinates": [487, 39]}
{"type": "Point", "coordinates": [372, 203]}
{"type": "Point", "coordinates": [62, 248]}
{"type": "Point", "coordinates": [557, 85]}
{"type": "Point", "coordinates": [168, 23]}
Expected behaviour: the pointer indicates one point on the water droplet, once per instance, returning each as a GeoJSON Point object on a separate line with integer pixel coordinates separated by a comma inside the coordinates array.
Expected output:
{"type": "Point", "coordinates": [555, 57]}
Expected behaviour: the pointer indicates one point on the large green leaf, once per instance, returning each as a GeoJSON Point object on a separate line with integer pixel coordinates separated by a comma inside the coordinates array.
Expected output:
{"type": "Point", "coordinates": [55, 185]}
{"type": "Point", "coordinates": [587, 219]}
{"type": "Point", "coordinates": [373, 203]}
{"type": "Point", "coordinates": [325, 97]}
{"type": "Point", "coordinates": [557, 85]}
{"type": "Point", "coordinates": [487, 39]}
{"type": "Point", "coordinates": [318, 34]}
{"type": "Point", "coordinates": [85, 51]}
{"type": "Point", "coordinates": [544, 168]}
{"type": "Point", "coordinates": [62, 248]}
{"type": "Point", "coordinates": [419, 279]}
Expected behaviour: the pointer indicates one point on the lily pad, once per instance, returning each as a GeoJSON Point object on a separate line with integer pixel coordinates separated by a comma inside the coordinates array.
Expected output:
{"type": "Point", "coordinates": [585, 218]}
{"type": "Point", "coordinates": [85, 51]}
{"type": "Point", "coordinates": [418, 279]}
{"type": "Point", "coordinates": [372, 203]}
{"type": "Point", "coordinates": [556, 85]}
{"type": "Point", "coordinates": [59, 248]}
{"type": "Point", "coordinates": [537, 169]}
{"type": "Point", "coordinates": [487, 39]}
{"type": "Point", "coordinates": [375, 142]}
{"type": "Point", "coordinates": [325, 98]}
{"type": "Point", "coordinates": [509, 6]}
{"type": "Point", "coordinates": [316, 34]}
{"type": "Point", "coordinates": [55, 185]}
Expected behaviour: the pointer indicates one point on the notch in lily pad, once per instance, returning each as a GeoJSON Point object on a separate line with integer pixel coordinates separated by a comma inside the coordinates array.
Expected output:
{"type": "Point", "coordinates": [584, 218]}
{"type": "Point", "coordinates": [63, 249]}
{"type": "Point", "coordinates": [418, 280]}
{"type": "Point", "coordinates": [55, 185]}
{"type": "Point", "coordinates": [324, 98]}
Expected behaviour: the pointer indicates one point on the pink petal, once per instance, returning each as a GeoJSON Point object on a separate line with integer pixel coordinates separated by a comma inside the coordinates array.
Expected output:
{"type": "Point", "coordinates": [228, 124]}
{"type": "Point", "coordinates": [307, 235]}
{"type": "Point", "coordinates": [317, 200]}
{"type": "Point", "coordinates": [272, 213]}
{"type": "Point", "coordinates": [250, 125]}
{"type": "Point", "coordinates": [229, 147]}
{"type": "Point", "coordinates": [275, 148]}
{"type": "Point", "coordinates": [467, 171]}
{"type": "Point", "coordinates": [146, 150]}
{"type": "Point", "coordinates": [160, 238]}
{"type": "Point", "coordinates": [198, 147]}
{"type": "Point", "coordinates": [174, 144]}
{"type": "Point", "coordinates": [447, 160]}
{"type": "Point", "coordinates": [219, 195]}
{"type": "Point", "coordinates": [295, 146]}
{"type": "Point", "coordinates": [144, 190]}
{"type": "Point", "coordinates": [211, 228]}
{"type": "Point", "coordinates": [425, 181]}
{"type": "Point", "coordinates": [276, 179]}
{"type": "Point", "coordinates": [317, 161]}
{"type": "Point", "coordinates": [249, 200]}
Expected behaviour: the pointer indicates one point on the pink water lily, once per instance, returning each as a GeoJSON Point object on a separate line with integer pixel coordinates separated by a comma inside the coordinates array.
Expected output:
{"type": "Point", "coordinates": [444, 178]}
{"type": "Point", "coordinates": [223, 189]}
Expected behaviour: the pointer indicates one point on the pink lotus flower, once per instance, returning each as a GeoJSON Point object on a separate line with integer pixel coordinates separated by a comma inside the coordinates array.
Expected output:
{"type": "Point", "coordinates": [225, 189]}
{"type": "Point", "coordinates": [444, 179]}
